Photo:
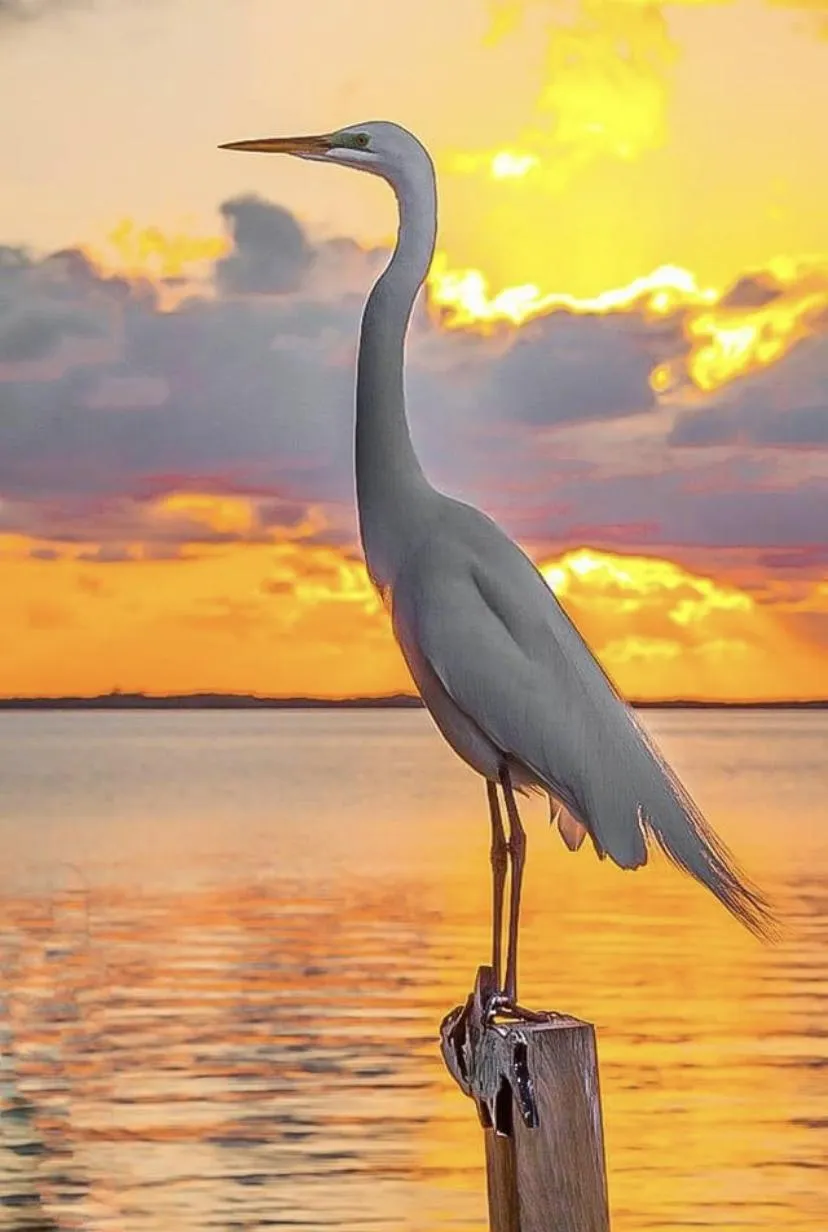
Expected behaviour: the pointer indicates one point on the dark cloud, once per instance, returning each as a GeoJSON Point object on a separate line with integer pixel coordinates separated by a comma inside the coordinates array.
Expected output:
{"type": "Point", "coordinates": [24, 10]}
{"type": "Point", "coordinates": [252, 388]}
{"type": "Point", "coordinates": [106, 554]}
{"type": "Point", "coordinates": [752, 291]}
{"type": "Point", "coordinates": [714, 507]}
{"type": "Point", "coordinates": [35, 334]}
{"type": "Point", "coordinates": [550, 375]}
{"type": "Point", "coordinates": [109, 402]}
{"type": "Point", "coordinates": [13, 259]}
{"type": "Point", "coordinates": [258, 387]}
{"type": "Point", "coordinates": [270, 251]}
{"type": "Point", "coordinates": [782, 407]}
{"type": "Point", "coordinates": [809, 556]}
{"type": "Point", "coordinates": [800, 427]}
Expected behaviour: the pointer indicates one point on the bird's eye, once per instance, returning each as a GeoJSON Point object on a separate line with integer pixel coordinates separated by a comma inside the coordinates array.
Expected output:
{"type": "Point", "coordinates": [361, 140]}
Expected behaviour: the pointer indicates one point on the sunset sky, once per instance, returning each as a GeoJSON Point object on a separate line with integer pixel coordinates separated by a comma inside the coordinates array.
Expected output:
{"type": "Point", "coordinates": [622, 355]}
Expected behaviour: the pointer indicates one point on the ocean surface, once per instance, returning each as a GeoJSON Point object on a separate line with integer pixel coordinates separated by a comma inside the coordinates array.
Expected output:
{"type": "Point", "coordinates": [228, 939]}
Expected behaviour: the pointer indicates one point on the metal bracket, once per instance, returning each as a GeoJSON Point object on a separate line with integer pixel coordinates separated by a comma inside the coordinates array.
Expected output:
{"type": "Point", "coordinates": [488, 1059]}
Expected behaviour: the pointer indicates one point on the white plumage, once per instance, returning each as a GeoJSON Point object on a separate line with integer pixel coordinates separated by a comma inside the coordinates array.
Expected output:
{"type": "Point", "coordinates": [507, 677]}
{"type": "Point", "coordinates": [505, 673]}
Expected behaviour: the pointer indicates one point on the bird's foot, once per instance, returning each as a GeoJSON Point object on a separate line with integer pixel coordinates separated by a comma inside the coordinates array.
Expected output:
{"type": "Point", "coordinates": [486, 1057]}
{"type": "Point", "coordinates": [501, 1005]}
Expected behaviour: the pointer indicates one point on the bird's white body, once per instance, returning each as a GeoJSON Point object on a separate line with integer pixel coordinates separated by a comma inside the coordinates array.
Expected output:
{"type": "Point", "coordinates": [451, 561]}
{"type": "Point", "coordinates": [508, 679]}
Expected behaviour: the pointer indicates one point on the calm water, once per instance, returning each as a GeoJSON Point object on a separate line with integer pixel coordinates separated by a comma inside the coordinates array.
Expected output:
{"type": "Point", "coordinates": [228, 940]}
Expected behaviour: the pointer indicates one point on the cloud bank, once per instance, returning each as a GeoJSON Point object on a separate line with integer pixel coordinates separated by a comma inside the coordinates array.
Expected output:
{"type": "Point", "coordinates": [112, 404]}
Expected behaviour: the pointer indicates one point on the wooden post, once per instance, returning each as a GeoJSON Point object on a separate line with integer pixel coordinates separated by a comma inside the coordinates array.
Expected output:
{"type": "Point", "coordinates": [535, 1084]}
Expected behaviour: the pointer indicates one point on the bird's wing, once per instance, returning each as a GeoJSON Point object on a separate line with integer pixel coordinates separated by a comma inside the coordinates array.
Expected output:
{"type": "Point", "coordinates": [510, 659]}
{"type": "Point", "coordinates": [475, 608]}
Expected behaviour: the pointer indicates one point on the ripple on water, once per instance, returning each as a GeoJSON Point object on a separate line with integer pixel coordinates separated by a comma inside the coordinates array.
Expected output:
{"type": "Point", "coordinates": [227, 1018]}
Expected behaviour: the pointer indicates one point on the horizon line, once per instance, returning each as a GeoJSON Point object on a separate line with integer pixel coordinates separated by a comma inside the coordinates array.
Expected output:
{"type": "Point", "coordinates": [216, 699]}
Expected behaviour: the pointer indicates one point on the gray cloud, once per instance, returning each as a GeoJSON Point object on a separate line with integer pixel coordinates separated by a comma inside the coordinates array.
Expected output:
{"type": "Point", "coordinates": [21, 10]}
{"type": "Point", "coordinates": [813, 556]}
{"type": "Point", "coordinates": [108, 402]}
{"type": "Point", "coordinates": [550, 375]}
{"type": "Point", "coordinates": [752, 291]}
{"type": "Point", "coordinates": [785, 406]}
{"type": "Point", "coordinates": [798, 427]}
{"type": "Point", "coordinates": [33, 336]}
{"type": "Point", "coordinates": [31, 10]}
{"type": "Point", "coordinates": [677, 509]}
{"type": "Point", "coordinates": [270, 252]}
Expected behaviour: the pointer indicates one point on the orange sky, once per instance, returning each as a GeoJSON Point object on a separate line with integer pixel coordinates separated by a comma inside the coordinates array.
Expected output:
{"type": "Point", "coordinates": [296, 619]}
{"type": "Point", "coordinates": [700, 146]}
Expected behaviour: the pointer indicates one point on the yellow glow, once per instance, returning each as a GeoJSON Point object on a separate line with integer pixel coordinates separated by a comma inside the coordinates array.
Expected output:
{"type": "Point", "coordinates": [687, 597]}
{"type": "Point", "coordinates": [651, 618]}
{"type": "Point", "coordinates": [462, 298]}
{"type": "Point", "coordinates": [225, 514]}
{"type": "Point", "coordinates": [604, 83]}
{"type": "Point", "coordinates": [728, 343]}
{"type": "Point", "coordinates": [710, 597]}
{"type": "Point", "coordinates": [556, 578]}
{"type": "Point", "coordinates": [724, 342]}
{"type": "Point", "coordinates": [507, 164]}
{"type": "Point", "coordinates": [606, 80]}
{"type": "Point", "coordinates": [628, 649]}
{"type": "Point", "coordinates": [171, 262]}
{"type": "Point", "coordinates": [149, 250]}
{"type": "Point", "coordinates": [281, 615]}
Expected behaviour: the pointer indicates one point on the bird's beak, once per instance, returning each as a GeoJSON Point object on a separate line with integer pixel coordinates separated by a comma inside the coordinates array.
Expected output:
{"type": "Point", "coordinates": [303, 146]}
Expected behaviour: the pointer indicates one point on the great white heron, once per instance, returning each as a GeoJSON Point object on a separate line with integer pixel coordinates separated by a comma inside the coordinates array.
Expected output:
{"type": "Point", "coordinates": [508, 679]}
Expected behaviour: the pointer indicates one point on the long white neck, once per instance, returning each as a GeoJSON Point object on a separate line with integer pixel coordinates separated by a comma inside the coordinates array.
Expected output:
{"type": "Point", "coordinates": [390, 484]}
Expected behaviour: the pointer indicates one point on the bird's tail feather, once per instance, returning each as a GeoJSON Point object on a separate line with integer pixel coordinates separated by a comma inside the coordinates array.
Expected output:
{"type": "Point", "coordinates": [658, 807]}
{"type": "Point", "coordinates": [694, 846]}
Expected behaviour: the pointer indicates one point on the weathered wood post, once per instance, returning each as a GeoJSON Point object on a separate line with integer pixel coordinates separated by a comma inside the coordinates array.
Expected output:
{"type": "Point", "coordinates": [535, 1083]}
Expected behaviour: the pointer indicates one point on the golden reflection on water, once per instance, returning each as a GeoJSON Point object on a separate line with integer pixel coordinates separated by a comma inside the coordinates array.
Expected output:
{"type": "Point", "coordinates": [223, 1014]}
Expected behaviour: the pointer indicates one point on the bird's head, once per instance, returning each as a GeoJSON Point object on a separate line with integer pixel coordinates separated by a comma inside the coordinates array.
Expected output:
{"type": "Point", "coordinates": [384, 149]}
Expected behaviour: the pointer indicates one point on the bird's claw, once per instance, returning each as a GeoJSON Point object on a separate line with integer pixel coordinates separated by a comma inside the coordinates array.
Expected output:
{"type": "Point", "coordinates": [501, 1005]}
{"type": "Point", "coordinates": [484, 1062]}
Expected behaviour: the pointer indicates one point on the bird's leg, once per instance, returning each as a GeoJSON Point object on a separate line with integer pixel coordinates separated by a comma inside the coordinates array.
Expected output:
{"type": "Point", "coordinates": [498, 856]}
{"type": "Point", "coordinates": [517, 851]}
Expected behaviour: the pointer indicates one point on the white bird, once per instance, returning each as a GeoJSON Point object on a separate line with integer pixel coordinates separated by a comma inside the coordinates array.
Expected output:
{"type": "Point", "coordinates": [507, 677]}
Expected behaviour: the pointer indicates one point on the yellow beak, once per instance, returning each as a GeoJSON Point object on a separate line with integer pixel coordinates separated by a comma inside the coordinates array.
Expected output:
{"type": "Point", "coordinates": [282, 145]}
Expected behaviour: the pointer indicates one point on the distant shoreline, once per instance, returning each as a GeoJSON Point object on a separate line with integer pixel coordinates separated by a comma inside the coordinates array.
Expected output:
{"type": "Point", "coordinates": [396, 701]}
